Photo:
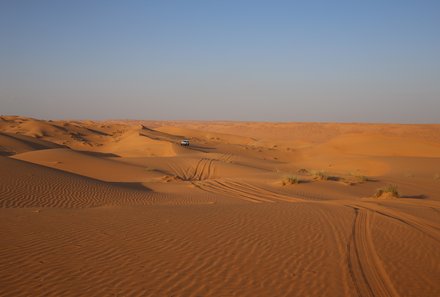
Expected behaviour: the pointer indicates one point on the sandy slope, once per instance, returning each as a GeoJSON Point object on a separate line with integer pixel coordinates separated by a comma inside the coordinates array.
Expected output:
{"type": "Point", "coordinates": [27, 185]}
{"type": "Point", "coordinates": [11, 144]}
{"type": "Point", "coordinates": [98, 168]}
{"type": "Point", "coordinates": [118, 208]}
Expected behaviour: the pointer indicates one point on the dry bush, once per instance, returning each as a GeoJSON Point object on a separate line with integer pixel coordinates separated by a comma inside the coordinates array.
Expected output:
{"type": "Point", "coordinates": [362, 178]}
{"type": "Point", "coordinates": [354, 179]}
{"type": "Point", "coordinates": [292, 180]}
{"type": "Point", "coordinates": [391, 190]}
{"type": "Point", "coordinates": [322, 175]}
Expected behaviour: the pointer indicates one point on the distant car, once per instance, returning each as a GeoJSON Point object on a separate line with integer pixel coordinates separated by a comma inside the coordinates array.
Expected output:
{"type": "Point", "coordinates": [184, 142]}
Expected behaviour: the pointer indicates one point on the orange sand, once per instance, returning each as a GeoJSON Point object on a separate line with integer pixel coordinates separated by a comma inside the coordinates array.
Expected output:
{"type": "Point", "coordinates": [119, 208]}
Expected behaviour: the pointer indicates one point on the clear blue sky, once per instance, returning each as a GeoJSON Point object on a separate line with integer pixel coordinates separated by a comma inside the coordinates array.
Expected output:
{"type": "Point", "coordinates": [373, 61]}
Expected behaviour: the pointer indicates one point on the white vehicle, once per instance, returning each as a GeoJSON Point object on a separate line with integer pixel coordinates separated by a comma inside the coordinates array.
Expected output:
{"type": "Point", "coordinates": [184, 142]}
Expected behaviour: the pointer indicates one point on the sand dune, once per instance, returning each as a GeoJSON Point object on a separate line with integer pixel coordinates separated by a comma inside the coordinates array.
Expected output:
{"type": "Point", "coordinates": [378, 145]}
{"type": "Point", "coordinates": [11, 144]}
{"type": "Point", "coordinates": [119, 208]}
{"type": "Point", "coordinates": [98, 167]}
{"type": "Point", "coordinates": [28, 185]}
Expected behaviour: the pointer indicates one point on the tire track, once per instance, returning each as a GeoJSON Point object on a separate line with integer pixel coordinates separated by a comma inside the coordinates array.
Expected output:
{"type": "Point", "coordinates": [311, 196]}
{"type": "Point", "coordinates": [216, 187]}
{"type": "Point", "coordinates": [178, 172]}
{"type": "Point", "coordinates": [204, 169]}
{"type": "Point", "coordinates": [265, 192]}
{"type": "Point", "coordinates": [211, 169]}
{"type": "Point", "coordinates": [365, 267]}
{"type": "Point", "coordinates": [225, 158]}
{"type": "Point", "coordinates": [196, 175]}
{"type": "Point", "coordinates": [243, 191]}
{"type": "Point", "coordinates": [419, 224]}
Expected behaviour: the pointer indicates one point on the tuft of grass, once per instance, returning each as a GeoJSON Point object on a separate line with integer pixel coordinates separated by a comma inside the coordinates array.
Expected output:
{"type": "Point", "coordinates": [292, 180]}
{"type": "Point", "coordinates": [360, 178]}
{"type": "Point", "coordinates": [392, 190]}
{"type": "Point", "coordinates": [355, 178]}
{"type": "Point", "coordinates": [320, 175]}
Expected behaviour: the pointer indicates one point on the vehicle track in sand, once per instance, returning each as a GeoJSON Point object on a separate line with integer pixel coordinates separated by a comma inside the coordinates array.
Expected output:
{"type": "Point", "coordinates": [429, 229]}
{"type": "Point", "coordinates": [365, 267]}
{"type": "Point", "coordinates": [244, 191]}
{"type": "Point", "coordinates": [227, 158]}
{"type": "Point", "coordinates": [179, 171]}
{"type": "Point", "coordinates": [204, 169]}
{"type": "Point", "coordinates": [311, 196]}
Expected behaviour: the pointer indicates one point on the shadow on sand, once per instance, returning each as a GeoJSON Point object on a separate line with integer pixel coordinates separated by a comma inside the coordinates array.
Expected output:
{"type": "Point", "coordinates": [421, 196]}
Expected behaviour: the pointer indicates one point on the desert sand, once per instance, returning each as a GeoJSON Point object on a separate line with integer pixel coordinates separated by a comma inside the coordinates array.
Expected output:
{"type": "Point", "coordinates": [119, 208]}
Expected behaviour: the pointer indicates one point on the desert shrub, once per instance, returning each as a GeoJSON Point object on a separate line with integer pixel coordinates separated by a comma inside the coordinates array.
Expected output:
{"type": "Point", "coordinates": [354, 179]}
{"type": "Point", "coordinates": [391, 190]}
{"type": "Point", "coordinates": [320, 175]}
{"type": "Point", "coordinates": [292, 180]}
{"type": "Point", "coordinates": [363, 178]}
{"type": "Point", "coordinates": [360, 178]}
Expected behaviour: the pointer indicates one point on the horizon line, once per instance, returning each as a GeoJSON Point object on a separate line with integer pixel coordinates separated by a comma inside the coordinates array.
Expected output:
{"type": "Point", "coordinates": [222, 120]}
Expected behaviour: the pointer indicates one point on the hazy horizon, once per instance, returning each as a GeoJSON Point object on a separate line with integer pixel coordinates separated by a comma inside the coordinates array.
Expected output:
{"type": "Point", "coordinates": [271, 61]}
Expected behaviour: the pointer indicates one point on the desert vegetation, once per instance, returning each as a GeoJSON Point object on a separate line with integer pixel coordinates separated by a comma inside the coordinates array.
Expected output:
{"type": "Point", "coordinates": [320, 175]}
{"type": "Point", "coordinates": [360, 178]}
{"type": "Point", "coordinates": [291, 180]}
{"type": "Point", "coordinates": [390, 191]}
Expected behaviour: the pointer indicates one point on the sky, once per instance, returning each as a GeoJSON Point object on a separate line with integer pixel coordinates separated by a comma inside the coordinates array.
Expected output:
{"type": "Point", "coordinates": [320, 61]}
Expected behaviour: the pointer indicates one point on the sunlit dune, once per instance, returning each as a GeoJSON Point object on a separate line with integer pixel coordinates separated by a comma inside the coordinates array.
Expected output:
{"type": "Point", "coordinates": [120, 208]}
